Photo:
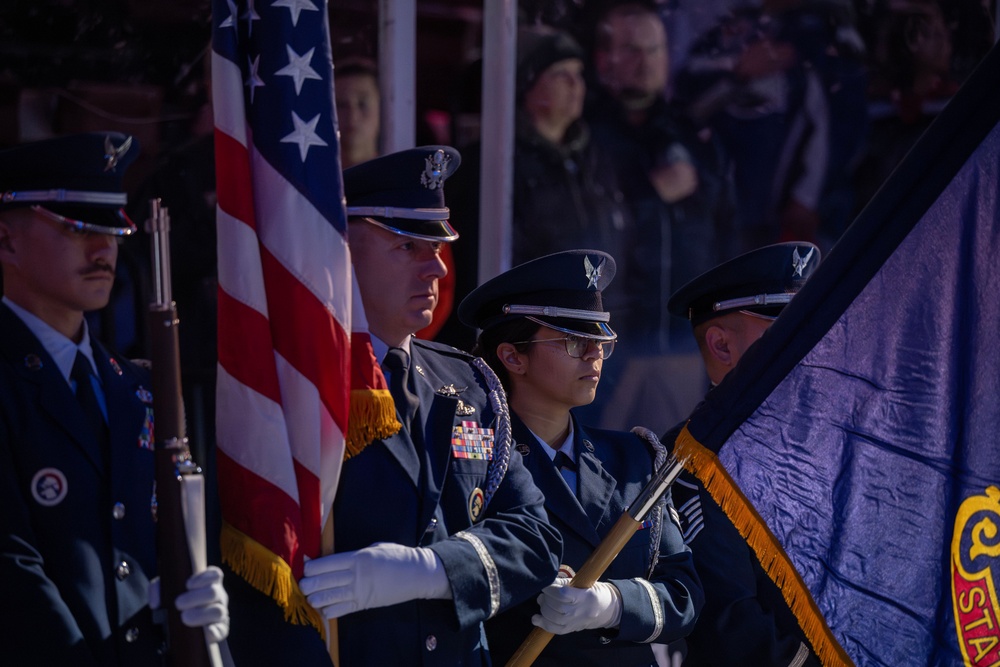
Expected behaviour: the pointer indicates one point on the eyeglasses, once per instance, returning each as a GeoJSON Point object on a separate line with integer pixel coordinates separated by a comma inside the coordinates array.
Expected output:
{"type": "Point", "coordinates": [577, 346]}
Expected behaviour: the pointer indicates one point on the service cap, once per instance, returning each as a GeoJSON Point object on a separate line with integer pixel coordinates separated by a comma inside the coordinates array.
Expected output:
{"type": "Point", "coordinates": [761, 281]}
{"type": "Point", "coordinates": [404, 192]}
{"type": "Point", "coordinates": [561, 291]}
{"type": "Point", "coordinates": [76, 180]}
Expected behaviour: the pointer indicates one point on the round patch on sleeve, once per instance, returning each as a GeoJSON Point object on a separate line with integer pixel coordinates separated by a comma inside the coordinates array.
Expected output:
{"type": "Point", "coordinates": [49, 487]}
{"type": "Point", "coordinates": [476, 504]}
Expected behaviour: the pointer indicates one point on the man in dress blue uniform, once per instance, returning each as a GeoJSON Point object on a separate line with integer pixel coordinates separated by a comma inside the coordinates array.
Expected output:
{"type": "Point", "coordinates": [746, 621]}
{"type": "Point", "coordinates": [650, 593]}
{"type": "Point", "coordinates": [76, 424]}
{"type": "Point", "coordinates": [439, 526]}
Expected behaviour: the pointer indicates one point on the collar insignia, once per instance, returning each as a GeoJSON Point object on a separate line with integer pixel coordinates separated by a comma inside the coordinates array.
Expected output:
{"type": "Point", "coordinates": [799, 262]}
{"type": "Point", "coordinates": [435, 170]}
{"type": "Point", "coordinates": [450, 390]}
{"type": "Point", "coordinates": [112, 155]}
{"type": "Point", "coordinates": [33, 362]}
{"type": "Point", "coordinates": [592, 273]}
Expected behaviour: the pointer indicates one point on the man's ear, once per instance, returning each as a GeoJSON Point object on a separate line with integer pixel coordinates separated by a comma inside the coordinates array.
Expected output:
{"type": "Point", "coordinates": [717, 345]}
{"type": "Point", "coordinates": [515, 362]}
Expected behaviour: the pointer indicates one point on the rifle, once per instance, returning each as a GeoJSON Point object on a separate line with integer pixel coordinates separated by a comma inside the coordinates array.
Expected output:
{"type": "Point", "coordinates": [180, 505]}
{"type": "Point", "coordinates": [606, 551]}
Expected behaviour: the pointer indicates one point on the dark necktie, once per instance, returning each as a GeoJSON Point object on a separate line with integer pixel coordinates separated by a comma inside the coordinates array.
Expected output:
{"type": "Point", "coordinates": [397, 363]}
{"type": "Point", "coordinates": [81, 375]}
{"type": "Point", "coordinates": [566, 467]}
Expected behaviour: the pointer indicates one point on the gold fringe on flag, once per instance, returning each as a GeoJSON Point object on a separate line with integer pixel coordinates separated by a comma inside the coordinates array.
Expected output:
{"type": "Point", "coordinates": [372, 416]}
{"type": "Point", "coordinates": [705, 465]}
{"type": "Point", "coordinates": [270, 575]}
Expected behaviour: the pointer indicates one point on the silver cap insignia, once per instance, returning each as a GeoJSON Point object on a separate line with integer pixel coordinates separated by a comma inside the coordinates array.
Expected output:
{"type": "Point", "coordinates": [112, 155]}
{"type": "Point", "coordinates": [435, 170]}
{"type": "Point", "coordinates": [799, 262]}
{"type": "Point", "coordinates": [592, 273]}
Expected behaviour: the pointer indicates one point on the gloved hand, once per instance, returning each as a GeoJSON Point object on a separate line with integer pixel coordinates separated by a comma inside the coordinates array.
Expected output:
{"type": "Point", "coordinates": [380, 575]}
{"type": "Point", "coordinates": [205, 604]}
{"type": "Point", "coordinates": [565, 609]}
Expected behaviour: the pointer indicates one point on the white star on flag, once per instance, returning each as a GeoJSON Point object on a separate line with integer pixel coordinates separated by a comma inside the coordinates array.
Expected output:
{"type": "Point", "coordinates": [298, 68]}
{"type": "Point", "coordinates": [250, 15]}
{"type": "Point", "coordinates": [296, 6]}
{"type": "Point", "coordinates": [253, 79]}
{"type": "Point", "coordinates": [304, 135]}
{"type": "Point", "coordinates": [229, 21]}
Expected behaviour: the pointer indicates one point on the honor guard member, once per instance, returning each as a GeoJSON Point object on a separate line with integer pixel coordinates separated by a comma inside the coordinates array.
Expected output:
{"type": "Point", "coordinates": [746, 621]}
{"type": "Point", "coordinates": [547, 335]}
{"type": "Point", "coordinates": [76, 424]}
{"type": "Point", "coordinates": [439, 526]}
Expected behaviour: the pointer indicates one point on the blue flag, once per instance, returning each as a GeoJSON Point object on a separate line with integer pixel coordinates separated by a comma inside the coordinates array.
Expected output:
{"type": "Point", "coordinates": [856, 444]}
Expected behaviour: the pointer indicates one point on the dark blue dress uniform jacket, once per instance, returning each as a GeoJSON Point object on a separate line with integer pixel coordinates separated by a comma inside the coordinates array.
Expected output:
{"type": "Point", "coordinates": [417, 494]}
{"type": "Point", "coordinates": [746, 620]}
{"type": "Point", "coordinates": [613, 468]}
{"type": "Point", "coordinates": [73, 575]}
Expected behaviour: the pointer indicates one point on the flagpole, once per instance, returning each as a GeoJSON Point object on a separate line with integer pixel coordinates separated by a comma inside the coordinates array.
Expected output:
{"type": "Point", "coordinates": [609, 548]}
{"type": "Point", "coordinates": [332, 639]}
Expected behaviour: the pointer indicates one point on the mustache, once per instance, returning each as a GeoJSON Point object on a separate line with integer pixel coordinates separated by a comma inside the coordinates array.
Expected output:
{"type": "Point", "coordinates": [98, 268]}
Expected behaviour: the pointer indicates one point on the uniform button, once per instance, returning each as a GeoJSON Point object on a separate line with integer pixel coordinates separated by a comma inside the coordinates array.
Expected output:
{"type": "Point", "coordinates": [431, 642]}
{"type": "Point", "coordinates": [131, 635]}
{"type": "Point", "coordinates": [118, 511]}
{"type": "Point", "coordinates": [122, 571]}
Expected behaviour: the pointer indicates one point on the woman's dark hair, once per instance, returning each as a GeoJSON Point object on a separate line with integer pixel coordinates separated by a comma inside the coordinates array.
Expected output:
{"type": "Point", "coordinates": [520, 329]}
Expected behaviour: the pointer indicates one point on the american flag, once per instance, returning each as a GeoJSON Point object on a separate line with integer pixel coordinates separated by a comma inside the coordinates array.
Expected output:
{"type": "Point", "coordinates": [285, 289]}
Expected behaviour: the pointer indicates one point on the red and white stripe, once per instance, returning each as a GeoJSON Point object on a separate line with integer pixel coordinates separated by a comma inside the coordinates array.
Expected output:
{"type": "Point", "coordinates": [285, 296]}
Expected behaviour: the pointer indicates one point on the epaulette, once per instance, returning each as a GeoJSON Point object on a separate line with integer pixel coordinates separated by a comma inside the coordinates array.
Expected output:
{"type": "Point", "coordinates": [442, 348]}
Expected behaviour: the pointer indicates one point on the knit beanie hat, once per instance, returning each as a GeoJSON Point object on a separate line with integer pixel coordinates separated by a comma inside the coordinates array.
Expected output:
{"type": "Point", "coordinates": [539, 47]}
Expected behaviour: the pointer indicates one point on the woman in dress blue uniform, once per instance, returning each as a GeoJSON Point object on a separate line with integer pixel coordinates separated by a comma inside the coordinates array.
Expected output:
{"type": "Point", "coordinates": [77, 534]}
{"type": "Point", "coordinates": [545, 333]}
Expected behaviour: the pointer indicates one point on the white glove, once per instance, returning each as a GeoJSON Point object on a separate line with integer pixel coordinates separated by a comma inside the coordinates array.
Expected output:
{"type": "Point", "coordinates": [380, 575]}
{"type": "Point", "coordinates": [205, 604]}
{"type": "Point", "coordinates": [566, 609]}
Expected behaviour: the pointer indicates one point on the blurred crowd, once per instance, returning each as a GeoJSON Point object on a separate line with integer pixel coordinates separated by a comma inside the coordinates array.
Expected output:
{"type": "Point", "coordinates": [672, 134]}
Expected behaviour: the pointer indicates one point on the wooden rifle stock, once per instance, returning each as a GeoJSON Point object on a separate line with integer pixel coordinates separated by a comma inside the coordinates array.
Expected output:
{"type": "Point", "coordinates": [605, 553]}
{"type": "Point", "coordinates": [185, 645]}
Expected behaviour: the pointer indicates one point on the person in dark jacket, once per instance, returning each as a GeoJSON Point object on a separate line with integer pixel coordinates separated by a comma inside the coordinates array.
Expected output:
{"type": "Point", "coordinates": [546, 333]}
{"type": "Point", "coordinates": [565, 194]}
{"type": "Point", "coordinates": [77, 530]}
{"type": "Point", "coordinates": [745, 621]}
{"type": "Point", "coordinates": [674, 179]}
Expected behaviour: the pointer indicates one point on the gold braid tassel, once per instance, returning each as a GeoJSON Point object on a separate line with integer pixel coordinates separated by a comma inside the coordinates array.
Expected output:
{"type": "Point", "coordinates": [372, 416]}
{"type": "Point", "coordinates": [270, 575]}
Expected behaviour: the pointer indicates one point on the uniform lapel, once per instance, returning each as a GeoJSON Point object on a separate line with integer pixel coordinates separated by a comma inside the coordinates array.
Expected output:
{"type": "Point", "coordinates": [596, 485]}
{"type": "Point", "coordinates": [130, 414]}
{"type": "Point", "coordinates": [437, 419]}
{"type": "Point", "coordinates": [55, 398]}
{"type": "Point", "coordinates": [401, 447]}
{"type": "Point", "coordinates": [560, 501]}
